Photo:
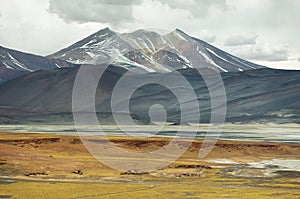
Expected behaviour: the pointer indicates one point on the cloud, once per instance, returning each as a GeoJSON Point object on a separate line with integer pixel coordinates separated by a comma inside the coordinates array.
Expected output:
{"type": "Point", "coordinates": [30, 25]}
{"type": "Point", "coordinates": [266, 52]}
{"type": "Point", "coordinates": [206, 36]}
{"type": "Point", "coordinates": [239, 40]}
{"type": "Point", "coordinates": [118, 12]}
{"type": "Point", "coordinates": [197, 8]}
{"type": "Point", "coordinates": [112, 12]}
{"type": "Point", "coordinates": [298, 59]}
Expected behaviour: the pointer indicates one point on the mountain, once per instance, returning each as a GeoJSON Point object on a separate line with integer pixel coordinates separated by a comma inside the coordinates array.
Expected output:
{"type": "Point", "coordinates": [40, 88]}
{"type": "Point", "coordinates": [15, 63]}
{"type": "Point", "coordinates": [147, 51]}
{"type": "Point", "coordinates": [262, 95]}
{"type": "Point", "coordinates": [141, 51]}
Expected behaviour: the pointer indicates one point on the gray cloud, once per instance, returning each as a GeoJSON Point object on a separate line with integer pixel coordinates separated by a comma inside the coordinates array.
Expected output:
{"type": "Point", "coordinates": [263, 53]}
{"type": "Point", "coordinates": [112, 12]}
{"type": "Point", "coordinates": [115, 12]}
{"type": "Point", "coordinates": [239, 40]}
{"type": "Point", "coordinates": [298, 59]}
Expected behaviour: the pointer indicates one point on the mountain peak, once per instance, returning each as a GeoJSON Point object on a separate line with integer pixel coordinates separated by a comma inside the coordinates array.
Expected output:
{"type": "Point", "coordinates": [178, 31]}
{"type": "Point", "coordinates": [143, 32]}
{"type": "Point", "coordinates": [151, 51]}
{"type": "Point", "coordinates": [105, 31]}
{"type": "Point", "coordinates": [178, 34]}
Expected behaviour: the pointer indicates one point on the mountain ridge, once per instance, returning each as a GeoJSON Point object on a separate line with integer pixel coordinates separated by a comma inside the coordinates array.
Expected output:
{"type": "Point", "coordinates": [141, 51]}
{"type": "Point", "coordinates": [147, 50]}
{"type": "Point", "coordinates": [14, 63]}
{"type": "Point", "coordinates": [263, 95]}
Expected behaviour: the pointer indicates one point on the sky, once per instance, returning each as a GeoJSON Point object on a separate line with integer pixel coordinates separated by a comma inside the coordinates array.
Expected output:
{"type": "Point", "coordinates": [262, 31]}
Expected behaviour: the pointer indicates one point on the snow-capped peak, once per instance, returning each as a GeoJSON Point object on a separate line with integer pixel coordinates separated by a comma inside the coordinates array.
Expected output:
{"type": "Point", "coordinates": [152, 51]}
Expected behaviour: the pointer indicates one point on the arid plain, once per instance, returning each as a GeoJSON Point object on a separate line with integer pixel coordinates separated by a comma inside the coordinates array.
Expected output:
{"type": "Point", "coordinates": [34, 165]}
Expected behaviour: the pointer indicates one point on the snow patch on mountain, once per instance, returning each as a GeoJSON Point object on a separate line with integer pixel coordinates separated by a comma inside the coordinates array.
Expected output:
{"type": "Point", "coordinates": [209, 59]}
{"type": "Point", "coordinates": [237, 60]}
{"type": "Point", "coordinates": [212, 52]}
{"type": "Point", "coordinates": [16, 62]}
{"type": "Point", "coordinates": [179, 36]}
{"type": "Point", "coordinates": [143, 49]}
{"type": "Point", "coordinates": [7, 66]}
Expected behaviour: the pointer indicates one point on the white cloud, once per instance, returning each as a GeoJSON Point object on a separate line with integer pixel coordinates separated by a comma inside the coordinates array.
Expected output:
{"type": "Point", "coordinates": [286, 65]}
{"type": "Point", "coordinates": [266, 52]}
{"type": "Point", "coordinates": [197, 8]}
{"type": "Point", "coordinates": [239, 40]}
{"type": "Point", "coordinates": [156, 15]}
{"type": "Point", "coordinates": [206, 36]}
{"type": "Point", "coordinates": [27, 26]}
{"type": "Point", "coordinates": [298, 59]}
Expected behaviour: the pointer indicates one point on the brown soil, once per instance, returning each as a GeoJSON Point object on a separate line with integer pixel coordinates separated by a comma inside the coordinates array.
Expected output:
{"type": "Point", "coordinates": [57, 156]}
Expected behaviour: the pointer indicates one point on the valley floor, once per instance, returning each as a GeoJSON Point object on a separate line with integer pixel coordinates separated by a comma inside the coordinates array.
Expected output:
{"type": "Point", "coordinates": [59, 166]}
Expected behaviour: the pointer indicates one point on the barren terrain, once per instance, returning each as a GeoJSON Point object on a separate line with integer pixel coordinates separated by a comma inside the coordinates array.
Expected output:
{"type": "Point", "coordinates": [59, 166]}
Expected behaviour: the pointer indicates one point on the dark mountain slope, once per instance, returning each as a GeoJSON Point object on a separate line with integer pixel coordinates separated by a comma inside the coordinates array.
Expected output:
{"type": "Point", "coordinates": [252, 96]}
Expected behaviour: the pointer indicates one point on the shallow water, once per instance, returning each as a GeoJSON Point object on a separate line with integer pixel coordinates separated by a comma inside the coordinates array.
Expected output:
{"type": "Point", "coordinates": [278, 164]}
{"type": "Point", "coordinates": [259, 132]}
